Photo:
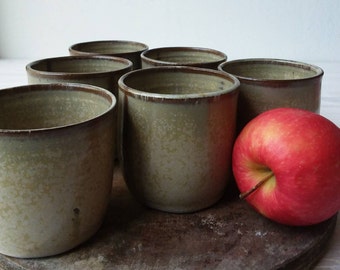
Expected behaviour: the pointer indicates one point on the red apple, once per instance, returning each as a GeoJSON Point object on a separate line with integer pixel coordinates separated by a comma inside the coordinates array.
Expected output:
{"type": "Point", "coordinates": [286, 164]}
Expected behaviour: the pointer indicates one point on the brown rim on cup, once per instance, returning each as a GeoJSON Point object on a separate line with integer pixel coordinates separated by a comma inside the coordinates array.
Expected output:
{"type": "Point", "coordinates": [244, 69]}
{"type": "Point", "coordinates": [120, 48]}
{"type": "Point", "coordinates": [183, 56]}
{"type": "Point", "coordinates": [77, 66]}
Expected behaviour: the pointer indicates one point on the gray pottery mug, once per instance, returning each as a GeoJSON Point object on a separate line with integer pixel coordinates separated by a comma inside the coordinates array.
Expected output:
{"type": "Point", "coordinates": [102, 71]}
{"type": "Point", "coordinates": [120, 48]}
{"type": "Point", "coordinates": [178, 129]}
{"type": "Point", "coordinates": [183, 56]}
{"type": "Point", "coordinates": [271, 83]}
{"type": "Point", "coordinates": [56, 166]}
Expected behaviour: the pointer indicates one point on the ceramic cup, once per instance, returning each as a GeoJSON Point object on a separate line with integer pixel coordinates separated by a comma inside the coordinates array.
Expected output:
{"type": "Point", "coordinates": [102, 71]}
{"type": "Point", "coordinates": [121, 48]}
{"type": "Point", "coordinates": [178, 133]}
{"type": "Point", "coordinates": [182, 56]}
{"type": "Point", "coordinates": [272, 83]}
{"type": "Point", "coordinates": [56, 166]}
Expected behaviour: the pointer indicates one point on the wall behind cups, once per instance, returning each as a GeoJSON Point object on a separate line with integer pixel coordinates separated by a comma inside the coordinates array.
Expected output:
{"type": "Point", "coordinates": [305, 30]}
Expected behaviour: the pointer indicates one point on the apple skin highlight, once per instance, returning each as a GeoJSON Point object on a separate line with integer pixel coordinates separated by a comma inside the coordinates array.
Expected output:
{"type": "Point", "coordinates": [302, 150]}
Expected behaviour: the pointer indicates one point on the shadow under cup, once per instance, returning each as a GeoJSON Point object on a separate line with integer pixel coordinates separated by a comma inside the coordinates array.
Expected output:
{"type": "Point", "coordinates": [178, 128]}
{"type": "Point", "coordinates": [271, 83]}
{"type": "Point", "coordinates": [56, 162]}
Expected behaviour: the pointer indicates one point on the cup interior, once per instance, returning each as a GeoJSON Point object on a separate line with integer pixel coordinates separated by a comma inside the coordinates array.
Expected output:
{"type": "Point", "coordinates": [270, 69]}
{"type": "Point", "coordinates": [79, 64]}
{"type": "Point", "coordinates": [109, 47]}
{"type": "Point", "coordinates": [51, 106]}
{"type": "Point", "coordinates": [177, 82]}
{"type": "Point", "coordinates": [184, 55]}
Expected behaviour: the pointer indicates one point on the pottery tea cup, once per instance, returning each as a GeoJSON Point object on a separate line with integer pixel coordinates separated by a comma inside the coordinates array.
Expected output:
{"type": "Point", "coordinates": [120, 48]}
{"type": "Point", "coordinates": [183, 56]}
{"type": "Point", "coordinates": [56, 166]}
{"type": "Point", "coordinates": [270, 83]}
{"type": "Point", "coordinates": [178, 128]}
{"type": "Point", "coordinates": [102, 71]}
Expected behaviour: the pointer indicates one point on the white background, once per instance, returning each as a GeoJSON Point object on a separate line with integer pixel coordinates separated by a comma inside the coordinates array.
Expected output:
{"type": "Point", "coordinates": [304, 30]}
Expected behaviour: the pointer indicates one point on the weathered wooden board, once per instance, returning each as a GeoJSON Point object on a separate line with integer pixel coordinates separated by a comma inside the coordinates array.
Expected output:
{"type": "Point", "coordinates": [229, 235]}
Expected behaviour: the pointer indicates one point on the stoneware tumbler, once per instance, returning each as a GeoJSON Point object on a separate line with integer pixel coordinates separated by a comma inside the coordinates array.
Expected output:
{"type": "Point", "coordinates": [56, 166]}
{"type": "Point", "coordinates": [120, 48]}
{"type": "Point", "coordinates": [102, 71]}
{"type": "Point", "coordinates": [178, 133]}
{"type": "Point", "coordinates": [183, 56]}
{"type": "Point", "coordinates": [272, 83]}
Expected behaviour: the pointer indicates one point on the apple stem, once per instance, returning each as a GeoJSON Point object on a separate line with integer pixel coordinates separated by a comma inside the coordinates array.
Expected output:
{"type": "Point", "coordinates": [247, 193]}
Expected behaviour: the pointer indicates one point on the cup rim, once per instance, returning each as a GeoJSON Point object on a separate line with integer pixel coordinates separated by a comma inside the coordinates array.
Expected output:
{"type": "Point", "coordinates": [250, 61]}
{"type": "Point", "coordinates": [147, 59]}
{"type": "Point", "coordinates": [22, 89]}
{"type": "Point", "coordinates": [73, 47]}
{"type": "Point", "coordinates": [36, 72]}
{"type": "Point", "coordinates": [192, 97]}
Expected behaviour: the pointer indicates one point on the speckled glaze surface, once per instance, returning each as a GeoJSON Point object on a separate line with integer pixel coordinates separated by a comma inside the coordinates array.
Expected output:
{"type": "Point", "coordinates": [178, 132]}
{"type": "Point", "coordinates": [272, 83]}
{"type": "Point", "coordinates": [121, 48]}
{"type": "Point", "coordinates": [56, 165]}
{"type": "Point", "coordinates": [183, 56]}
{"type": "Point", "coordinates": [102, 71]}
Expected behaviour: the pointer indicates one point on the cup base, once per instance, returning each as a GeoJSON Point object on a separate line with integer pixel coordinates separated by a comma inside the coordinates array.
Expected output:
{"type": "Point", "coordinates": [182, 209]}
